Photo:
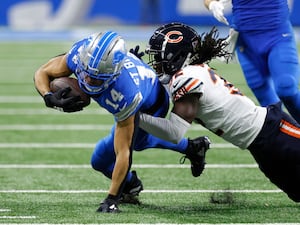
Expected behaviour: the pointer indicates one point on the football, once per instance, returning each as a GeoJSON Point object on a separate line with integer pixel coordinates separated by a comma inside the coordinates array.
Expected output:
{"type": "Point", "coordinates": [63, 82]}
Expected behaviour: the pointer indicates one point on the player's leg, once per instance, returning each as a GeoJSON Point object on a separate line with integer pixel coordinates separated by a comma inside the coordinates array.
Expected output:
{"type": "Point", "coordinates": [193, 149]}
{"type": "Point", "coordinates": [147, 141]}
{"type": "Point", "coordinates": [288, 142]}
{"type": "Point", "coordinates": [285, 71]}
{"type": "Point", "coordinates": [255, 73]}
{"type": "Point", "coordinates": [103, 157]}
{"type": "Point", "coordinates": [279, 159]}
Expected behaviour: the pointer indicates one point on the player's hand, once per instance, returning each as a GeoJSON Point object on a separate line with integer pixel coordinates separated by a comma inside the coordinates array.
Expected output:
{"type": "Point", "coordinates": [217, 9]}
{"type": "Point", "coordinates": [136, 51]}
{"type": "Point", "coordinates": [75, 107]}
{"type": "Point", "coordinates": [109, 205]}
{"type": "Point", "coordinates": [59, 100]}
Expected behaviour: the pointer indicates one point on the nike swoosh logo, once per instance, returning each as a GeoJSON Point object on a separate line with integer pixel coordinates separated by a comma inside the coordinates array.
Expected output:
{"type": "Point", "coordinates": [286, 34]}
{"type": "Point", "coordinates": [175, 85]}
{"type": "Point", "coordinates": [113, 206]}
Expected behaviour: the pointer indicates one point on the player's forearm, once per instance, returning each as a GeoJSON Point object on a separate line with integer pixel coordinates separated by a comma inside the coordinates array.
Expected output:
{"type": "Point", "coordinates": [172, 129]}
{"type": "Point", "coordinates": [41, 82]}
{"type": "Point", "coordinates": [122, 144]}
{"type": "Point", "coordinates": [55, 67]}
{"type": "Point", "coordinates": [119, 173]}
{"type": "Point", "coordinates": [207, 2]}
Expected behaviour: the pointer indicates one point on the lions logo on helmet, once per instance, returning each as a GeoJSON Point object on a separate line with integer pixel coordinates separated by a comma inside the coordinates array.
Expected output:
{"type": "Point", "coordinates": [118, 57]}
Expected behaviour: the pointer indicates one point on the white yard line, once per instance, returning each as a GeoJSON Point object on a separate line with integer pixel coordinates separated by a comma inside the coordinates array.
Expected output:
{"type": "Point", "coordinates": [144, 166]}
{"type": "Point", "coordinates": [21, 99]}
{"type": "Point", "coordinates": [17, 217]}
{"type": "Point", "coordinates": [3, 217]}
{"type": "Point", "coordinates": [80, 145]}
{"type": "Point", "coordinates": [144, 191]}
{"type": "Point", "coordinates": [154, 224]}
{"type": "Point", "coordinates": [5, 210]}
{"type": "Point", "coordinates": [47, 145]}
{"type": "Point", "coordinates": [5, 127]}
{"type": "Point", "coordinates": [54, 127]}
{"type": "Point", "coordinates": [47, 111]}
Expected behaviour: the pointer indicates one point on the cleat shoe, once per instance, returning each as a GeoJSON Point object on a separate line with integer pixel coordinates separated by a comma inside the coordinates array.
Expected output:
{"type": "Point", "coordinates": [195, 152]}
{"type": "Point", "coordinates": [132, 190]}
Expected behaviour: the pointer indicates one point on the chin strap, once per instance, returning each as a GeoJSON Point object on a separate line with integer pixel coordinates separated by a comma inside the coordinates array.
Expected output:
{"type": "Point", "coordinates": [187, 61]}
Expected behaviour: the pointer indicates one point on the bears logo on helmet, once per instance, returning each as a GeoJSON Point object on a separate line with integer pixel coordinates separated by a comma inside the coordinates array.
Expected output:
{"type": "Point", "coordinates": [170, 49]}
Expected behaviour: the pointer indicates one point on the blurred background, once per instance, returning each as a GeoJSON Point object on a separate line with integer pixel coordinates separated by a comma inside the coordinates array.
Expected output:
{"type": "Point", "coordinates": [134, 19]}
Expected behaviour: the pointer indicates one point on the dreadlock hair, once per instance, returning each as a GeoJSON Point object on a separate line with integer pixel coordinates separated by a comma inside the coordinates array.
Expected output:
{"type": "Point", "coordinates": [209, 47]}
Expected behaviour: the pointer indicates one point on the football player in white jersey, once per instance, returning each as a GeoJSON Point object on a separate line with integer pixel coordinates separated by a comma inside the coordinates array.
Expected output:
{"type": "Point", "coordinates": [180, 56]}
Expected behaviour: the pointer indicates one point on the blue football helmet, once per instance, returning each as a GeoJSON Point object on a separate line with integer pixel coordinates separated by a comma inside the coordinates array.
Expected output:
{"type": "Point", "coordinates": [101, 59]}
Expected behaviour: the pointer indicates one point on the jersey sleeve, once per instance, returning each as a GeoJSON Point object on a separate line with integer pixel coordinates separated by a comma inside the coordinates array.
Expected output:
{"type": "Point", "coordinates": [121, 100]}
{"type": "Point", "coordinates": [121, 104]}
{"type": "Point", "coordinates": [182, 84]}
{"type": "Point", "coordinates": [130, 107]}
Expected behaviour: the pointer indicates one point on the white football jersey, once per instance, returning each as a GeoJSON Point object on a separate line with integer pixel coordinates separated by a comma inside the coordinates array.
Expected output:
{"type": "Point", "coordinates": [222, 108]}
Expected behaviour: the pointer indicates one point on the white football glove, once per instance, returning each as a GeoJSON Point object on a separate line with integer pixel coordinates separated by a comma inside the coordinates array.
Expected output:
{"type": "Point", "coordinates": [217, 9]}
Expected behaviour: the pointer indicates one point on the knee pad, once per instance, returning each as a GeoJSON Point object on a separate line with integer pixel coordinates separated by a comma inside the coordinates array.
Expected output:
{"type": "Point", "coordinates": [286, 86]}
{"type": "Point", "coordinates": [103, 156]}
{"type": "Point", "coordinates": [96, 162]}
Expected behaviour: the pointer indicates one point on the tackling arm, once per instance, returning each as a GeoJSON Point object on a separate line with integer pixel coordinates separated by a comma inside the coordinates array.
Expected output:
{"type": "Point", "coordinates": [173, 129]}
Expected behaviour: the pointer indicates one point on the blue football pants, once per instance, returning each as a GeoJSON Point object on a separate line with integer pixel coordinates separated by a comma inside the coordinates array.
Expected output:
{"type": "Point", "coordinates": [269, 61]}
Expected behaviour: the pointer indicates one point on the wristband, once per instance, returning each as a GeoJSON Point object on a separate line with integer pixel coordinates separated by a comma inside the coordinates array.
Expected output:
{"type": "Point", "coordinates": [48, 93]}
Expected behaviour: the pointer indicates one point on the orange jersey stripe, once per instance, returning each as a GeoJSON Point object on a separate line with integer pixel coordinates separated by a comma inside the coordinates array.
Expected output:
{"type": "Point", "coordinates": [289, 129]}
{"type": "Point", "coordinates": [192, 84]}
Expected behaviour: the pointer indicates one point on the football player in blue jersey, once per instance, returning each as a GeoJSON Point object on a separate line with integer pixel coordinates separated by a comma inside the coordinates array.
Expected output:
{"type": "Point", "coordinates": [125, 86]}
{"type": "Point", "coordinates": [266, 49]}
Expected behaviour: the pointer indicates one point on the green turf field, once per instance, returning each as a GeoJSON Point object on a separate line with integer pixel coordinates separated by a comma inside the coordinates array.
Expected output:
{"type": "Point", "coordinates": [45, 174]}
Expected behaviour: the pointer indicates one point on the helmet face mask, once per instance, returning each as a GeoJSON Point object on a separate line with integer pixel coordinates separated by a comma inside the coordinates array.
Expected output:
{"type": "Point", "coordinates": [91, 85]}
{"type": "Point", "coordinates": [100, 59]}
{"type": "Point", "coordinates": [156, 61]}
{"type": "Point", "coordinates": [170, 49]}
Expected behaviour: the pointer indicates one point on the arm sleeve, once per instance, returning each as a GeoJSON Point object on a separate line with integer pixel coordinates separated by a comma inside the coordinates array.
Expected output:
{"type": "Point", "coordinates": [172, 129]}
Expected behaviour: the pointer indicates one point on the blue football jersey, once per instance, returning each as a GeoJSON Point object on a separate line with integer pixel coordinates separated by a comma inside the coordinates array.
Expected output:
{"type": "Point", "coordinates": [137, 88]}
{"type": "Point", "coordinates": [259, 14]}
